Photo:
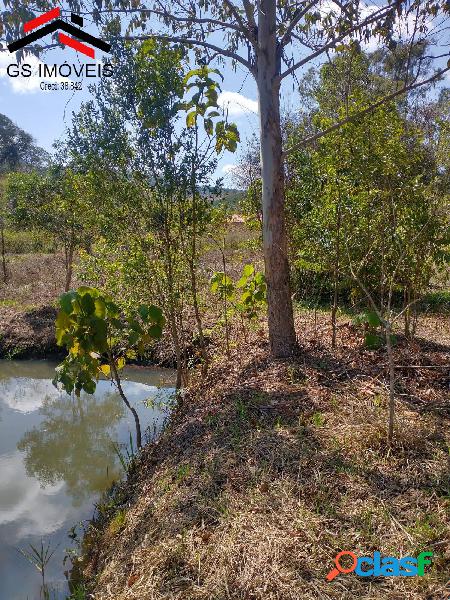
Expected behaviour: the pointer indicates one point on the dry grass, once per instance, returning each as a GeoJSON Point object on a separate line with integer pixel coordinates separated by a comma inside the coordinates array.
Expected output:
{"type": "Point", "coordinates": [271, 467]}
{"type": "Point", "coordinates": [33, 280]}
{"type": "Point", "coordinates": [27, 313]}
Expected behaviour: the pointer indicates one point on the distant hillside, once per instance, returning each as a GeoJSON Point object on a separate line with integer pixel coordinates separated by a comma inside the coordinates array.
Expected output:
{"type": "Point", "coordinates": [230, 197]}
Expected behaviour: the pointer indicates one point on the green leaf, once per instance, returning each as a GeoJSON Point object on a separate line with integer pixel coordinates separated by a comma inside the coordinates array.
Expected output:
{"type": "Point", "coordinates": [143, 310]}
{"type": "Point", "coordinates": [87, 304]}
{"type": "Point", "coordinates": [191, 118]}
{"type": "Point", "coordinates": [65, 301]}
{"type": "Point", "coordinates": [155, 331]}
{"type": "Point", "coordinates": [373, 319]}
{"type": "Point", "coordinates": [89, 386]}
{"type": "Point", "coordinates": [248, 270]}
{"type": "Point", "coordinates": [135, 326]}
{"type": "Point", "coordinates": [156, 314]}
{"type": "Point", "coordinates": [372, 341]}
{"type": "Point", "coordinates": [100, 308]}
{"type": "Point", "coordinates": [62, 324]}
{"type": "Point", "coordinates": [99, 337]}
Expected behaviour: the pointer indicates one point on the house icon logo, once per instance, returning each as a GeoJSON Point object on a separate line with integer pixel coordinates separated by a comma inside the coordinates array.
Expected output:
{"type": "Point", "coordinates": [51, 22]}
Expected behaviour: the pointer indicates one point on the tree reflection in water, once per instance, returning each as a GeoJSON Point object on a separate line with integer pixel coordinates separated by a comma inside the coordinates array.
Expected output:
{"type": "Point", "coordinates": [75, 443]}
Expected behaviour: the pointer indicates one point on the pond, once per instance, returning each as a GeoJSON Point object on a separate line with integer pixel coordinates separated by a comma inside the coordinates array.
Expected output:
{"type": "Point", "coordinates": [58, 453]}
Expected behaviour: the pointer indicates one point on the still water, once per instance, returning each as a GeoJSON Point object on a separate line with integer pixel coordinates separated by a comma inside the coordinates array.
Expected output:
{"type": "Point", "coordinates": [58, 453]}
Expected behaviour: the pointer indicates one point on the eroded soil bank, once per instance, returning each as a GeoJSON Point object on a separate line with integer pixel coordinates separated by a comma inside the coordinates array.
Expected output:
{"type": "Point", "coordinates": [269, 468]}
{"type": "Point", "coordinates": [30, 333]}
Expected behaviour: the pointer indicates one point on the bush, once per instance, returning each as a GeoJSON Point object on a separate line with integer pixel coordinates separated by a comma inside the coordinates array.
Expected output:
{"type": "Point", "coordinates": [28, 242]}
{"type": "Point", "coordinates": [436, 302]}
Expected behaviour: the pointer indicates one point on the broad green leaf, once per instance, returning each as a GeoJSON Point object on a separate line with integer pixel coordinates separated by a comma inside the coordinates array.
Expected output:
{"type": "Point", "coordinates": [99, 337]}
{"type": "Point", "coordinates": [143, 310]}
{"type": "Point", "coordinates": [89, 386]}
{"type": "Point", "coordinates": [155, 331]}
{"type": "Point", "coordinates": [87, 304]}
{"type": "Point", "coordinates": [100, 308]}
{"type": "Point", "coordinates": [372, 341]}
{"type": "Point", "coordinates": [155, 314]}
{"type": "Point", "coordinates": [106, 370]}
{"type": "Point", "coordinates": [65, 301]}
{"type": "Point", "coordinates": [373, 319]}
{"type": "Point", "coordinates": [248, 270]}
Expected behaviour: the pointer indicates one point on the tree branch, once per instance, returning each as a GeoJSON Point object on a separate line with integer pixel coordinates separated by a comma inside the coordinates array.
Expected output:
{"type": "Point", "coordinates": [194, 42]}
{"type": "Point", "coordinates": [298, 15]}
{"type": "Point", "coordinates": [370, 108]}
{"type": "Point", "coordinates": [380, 13]}
{"type": "Point", "coordinates": [244, 29]}
{"type": "Point", "coordinates": [163, 13]}
{"type": "Point", "coordinates": [249, 11]}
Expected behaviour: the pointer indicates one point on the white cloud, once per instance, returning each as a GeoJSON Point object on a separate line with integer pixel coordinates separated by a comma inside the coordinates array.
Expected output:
{"type": "Point", "coordinates": [228, 169]}
{"type": "Point", "coordinates": [33, 509]}
{"type": "Point", "coordinates": [27, 395]}
{"type": "Point", "coordinates": [25, 85]}
{"type": "Point", "coordinates": [237, 104]}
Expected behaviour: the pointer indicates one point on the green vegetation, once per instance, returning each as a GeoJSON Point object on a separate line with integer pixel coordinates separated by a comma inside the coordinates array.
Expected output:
{"type": "Point", "coordinates": [306, 314]}
{"type": "Point", "coordinates": [100, 339]}
{"type": "Point", "coordinates": [39, 558]}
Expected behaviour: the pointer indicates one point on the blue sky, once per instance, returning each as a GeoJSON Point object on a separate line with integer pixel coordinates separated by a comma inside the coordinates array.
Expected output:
{"type": "Point", "coordinates": [46, 114]}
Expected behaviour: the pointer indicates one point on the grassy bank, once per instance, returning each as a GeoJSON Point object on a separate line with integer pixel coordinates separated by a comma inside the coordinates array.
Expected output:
{"type": "Point", "coordinates": [269, 468]}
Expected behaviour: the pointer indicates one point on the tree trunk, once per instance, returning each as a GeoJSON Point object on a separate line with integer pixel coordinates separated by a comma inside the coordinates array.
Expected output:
{"type": "Point", "coordinates": [178, 353]}
{"type": "Point", "coordinates": [118, 383]}
{"type": "Point", "coordinates": [69, 267]}
{"type": "Point", "coordinates": [198, 317]}
{"type": "Point", "coordinates": [280, 314]}
{"type": "Point", "coordinates": [391, 364]}
{"type": "Point", "coordinates": [407, 309]}
{"type": "Point", "coordinates": [336, 275]}
{"type": "Point", "coordinates": [5, 271]}
{"type": "Point", "coordinates": [193, 271]}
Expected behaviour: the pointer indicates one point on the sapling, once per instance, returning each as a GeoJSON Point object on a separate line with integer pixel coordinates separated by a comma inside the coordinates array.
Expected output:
{"type": "Point", "coordinates": [100, 338]}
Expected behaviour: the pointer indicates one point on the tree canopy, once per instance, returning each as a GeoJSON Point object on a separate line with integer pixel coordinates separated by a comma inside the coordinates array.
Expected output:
{"type": "Point", "coordinates": [18, 151]}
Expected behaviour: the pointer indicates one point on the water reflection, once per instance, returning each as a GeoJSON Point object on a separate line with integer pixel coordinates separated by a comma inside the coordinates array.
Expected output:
{"type": "Point", "coordinates": [20, 497]}
{"type": "Point", "coordinates": [56, 457]}
{"type": "Point", "coordinates": [74, 443]}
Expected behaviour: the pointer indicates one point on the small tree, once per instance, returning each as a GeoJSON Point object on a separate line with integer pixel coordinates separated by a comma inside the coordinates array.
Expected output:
{"type": "Point", "coordinates": [246, 297]}
{"type": "Point", "coordinates": [371, 185]}
{"type": "Point", "coordinates": [54, 203]}
{"type": "Point", "coordinates": [152, 157]}
{"type": "Point", "coordinates": [3, 217]}
{"type": "Point", "coordinates": [100, 339]}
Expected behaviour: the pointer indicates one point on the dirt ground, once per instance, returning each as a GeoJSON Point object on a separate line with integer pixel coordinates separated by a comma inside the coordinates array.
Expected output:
{"type": "Point", "coordinates": [27, 305]}
{"type": "Point", "coordinates": [270, 467]}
